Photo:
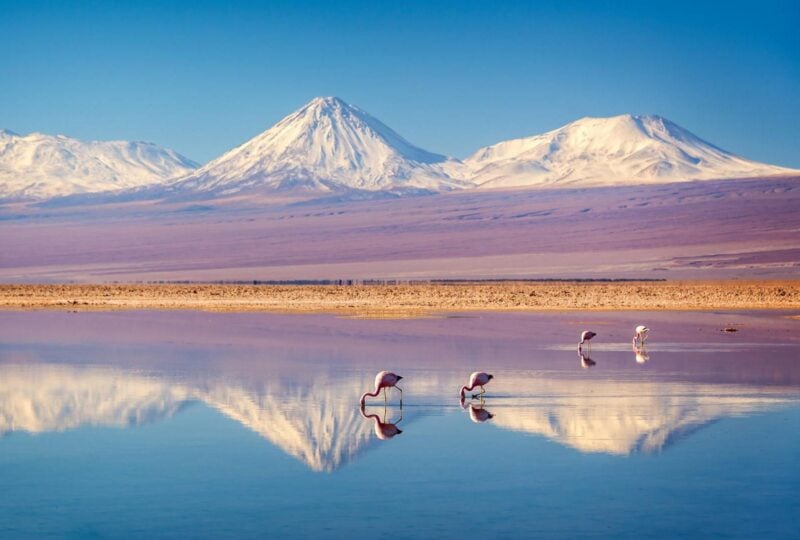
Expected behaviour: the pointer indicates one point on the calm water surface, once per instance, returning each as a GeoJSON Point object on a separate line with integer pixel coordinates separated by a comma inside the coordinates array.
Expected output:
{"type": "Point", "coordinates": [143, 424]}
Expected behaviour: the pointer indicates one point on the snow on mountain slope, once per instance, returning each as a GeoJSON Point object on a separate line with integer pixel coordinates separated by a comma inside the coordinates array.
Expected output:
{"type": "Point", "coordinates": [334, 150]}
{"type": "Point", "coordinates": [621, 150]}
{"type": "Point", "coordinates": [39, 166]}
{"type": "Point", "coordinates": [325, 146]}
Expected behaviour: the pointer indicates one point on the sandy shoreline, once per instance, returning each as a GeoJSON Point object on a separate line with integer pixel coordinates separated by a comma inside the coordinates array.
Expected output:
{"type": "Point", "coordinates": [410, 300]}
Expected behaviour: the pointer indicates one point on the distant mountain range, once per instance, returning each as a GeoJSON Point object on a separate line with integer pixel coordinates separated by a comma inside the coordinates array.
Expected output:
{"type": "Point", "coordinates": [329, 146]}
{"type": "Point", "coordinates": [39, 166]}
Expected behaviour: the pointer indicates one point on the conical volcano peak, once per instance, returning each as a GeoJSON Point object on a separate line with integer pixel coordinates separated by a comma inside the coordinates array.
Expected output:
{"type": "Point", "coordinates": [323, 106]}
{"type": "Point", "coordinates": [332, 121]}
{"type": "Point", "coordinates": [329, 102]}
{"type": "Point", "coordinates": [325, 145]}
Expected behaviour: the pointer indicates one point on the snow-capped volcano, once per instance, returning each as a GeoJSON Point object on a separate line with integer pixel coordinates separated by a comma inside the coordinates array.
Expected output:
{"type": "Point", "coordinates": [620, 150]}
{"type": "Point", "coordinates": [39, 166]}
{"type": "Point", "coordinates": [326, 145]}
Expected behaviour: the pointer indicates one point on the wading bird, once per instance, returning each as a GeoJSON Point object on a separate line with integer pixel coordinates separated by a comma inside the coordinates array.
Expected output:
{"type": "Point", "coordinates": [479, 378]}
{"type": "Point", "coordinates": [384, 379]}
{"type": "Point", "coordinates": [586, 336]}
{"type": "Point", "coordinates": [640, 333]}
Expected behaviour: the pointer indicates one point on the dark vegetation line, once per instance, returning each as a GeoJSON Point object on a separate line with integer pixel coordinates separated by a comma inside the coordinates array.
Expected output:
{"type": "Point", "coordinates": [388, 281]}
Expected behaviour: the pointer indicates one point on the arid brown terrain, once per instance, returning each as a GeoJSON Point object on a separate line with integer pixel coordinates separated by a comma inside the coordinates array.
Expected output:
{"type": "Point", "coordinates": [731, 229]}
{"type": "Point", "coordinates": [411, 299]}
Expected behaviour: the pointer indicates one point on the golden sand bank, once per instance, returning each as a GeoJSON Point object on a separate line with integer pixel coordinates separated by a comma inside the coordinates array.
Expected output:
{"type": "Point", "coordinates": [417, 299]}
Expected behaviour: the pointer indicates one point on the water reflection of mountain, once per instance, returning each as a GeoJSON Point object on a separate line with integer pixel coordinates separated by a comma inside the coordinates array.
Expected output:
{"type": "Point", "coordinates": [42, 398]}
{"type": "Point", "coordinates": [318, 423]}
{"type": "Point", "coordinates": [316, 419]}
{"type": "Point", "coordinates": [313, 423]}
{"type": "Point", "coordinates": [622, 417]}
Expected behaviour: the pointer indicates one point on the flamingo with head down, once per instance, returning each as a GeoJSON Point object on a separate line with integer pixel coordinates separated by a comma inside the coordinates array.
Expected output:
{"type": "Point", "coordinates": [640, 334]}
{"type": "Point", "coordinates": [384, 380]}
{"type": "Point", "coordinates": [586, 337]}
{"type": "Point", "coordinates": [479, 378]}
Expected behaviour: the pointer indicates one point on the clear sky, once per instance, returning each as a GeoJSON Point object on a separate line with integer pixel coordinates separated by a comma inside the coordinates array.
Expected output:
{"type": "Point", "coordinates": [202, 77]}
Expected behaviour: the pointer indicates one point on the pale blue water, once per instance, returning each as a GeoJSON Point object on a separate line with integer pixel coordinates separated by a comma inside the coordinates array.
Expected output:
{"type": "Point", "coordinates": [181, 425]}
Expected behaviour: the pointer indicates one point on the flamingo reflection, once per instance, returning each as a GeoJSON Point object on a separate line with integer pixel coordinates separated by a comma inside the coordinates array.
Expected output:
{"type": "Point", "coordinates": [384, 430]}
{"type": "Point", "coordinates": [641, 354]}
{"type": "Point", "coordinates": [477, 413]}
{"type": "Point", "coordinates": [586, 362]}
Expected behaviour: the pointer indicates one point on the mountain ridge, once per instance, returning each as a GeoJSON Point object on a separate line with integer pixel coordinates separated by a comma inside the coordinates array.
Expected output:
{"type": "Point", "coordinates": [41, 166]}
{"type": "Point", "coordinates": [333, 150]}
{"type": "Point", "coordinates": [619, 150]}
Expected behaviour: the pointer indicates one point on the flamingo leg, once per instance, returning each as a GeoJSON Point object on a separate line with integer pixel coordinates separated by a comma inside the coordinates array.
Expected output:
{"type": "Point", "coordinates": [401, 396]}
{"type": "Point", "coordinates": [399, 419]}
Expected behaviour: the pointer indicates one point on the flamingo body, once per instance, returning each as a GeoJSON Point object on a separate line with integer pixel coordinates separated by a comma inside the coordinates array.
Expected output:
{"type": "Point", "coordinates": [586, 336]}
{"type": "Point", "coordinates": [384, 380]}
{"type": "Point", "coordinates": [640, 333]}
{"type": "Point", "coordinates": [479, 378]}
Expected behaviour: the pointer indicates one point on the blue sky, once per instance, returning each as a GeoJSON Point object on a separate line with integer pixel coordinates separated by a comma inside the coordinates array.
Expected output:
{"type": "Point", "coordinates": [203, 77]}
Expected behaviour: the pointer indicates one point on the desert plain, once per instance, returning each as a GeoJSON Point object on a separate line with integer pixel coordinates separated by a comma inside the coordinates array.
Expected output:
{"type": "Point", "coordinates": [411, 299]}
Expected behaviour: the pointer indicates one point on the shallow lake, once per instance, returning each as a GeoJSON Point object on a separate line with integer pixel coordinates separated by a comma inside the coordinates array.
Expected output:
{"type": "Point", "coordinates": [192, 425]}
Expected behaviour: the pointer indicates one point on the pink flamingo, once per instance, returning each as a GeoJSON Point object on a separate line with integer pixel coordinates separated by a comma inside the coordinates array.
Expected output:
{"type": "Point", "coordinates": [384, 430]}
{"type": "Point", "coordinates": [640, 333]}
{"type": "Point", "coordinates": [586, 336]}
{"type": "Point", "coordinates": [384, 379]}
{"type": "Point", "coordinates": [479, 378]}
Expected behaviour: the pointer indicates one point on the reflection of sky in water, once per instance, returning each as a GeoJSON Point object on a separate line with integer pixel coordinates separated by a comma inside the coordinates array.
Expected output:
{"type": "Point", "coordinates": [230, 429]}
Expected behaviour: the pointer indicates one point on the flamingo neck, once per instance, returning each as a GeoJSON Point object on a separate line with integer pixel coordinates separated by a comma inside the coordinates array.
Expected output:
{"type": "Point", "coordinates": [370, 394]}
{"type": "Point", "coordinates": [466, 389]}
